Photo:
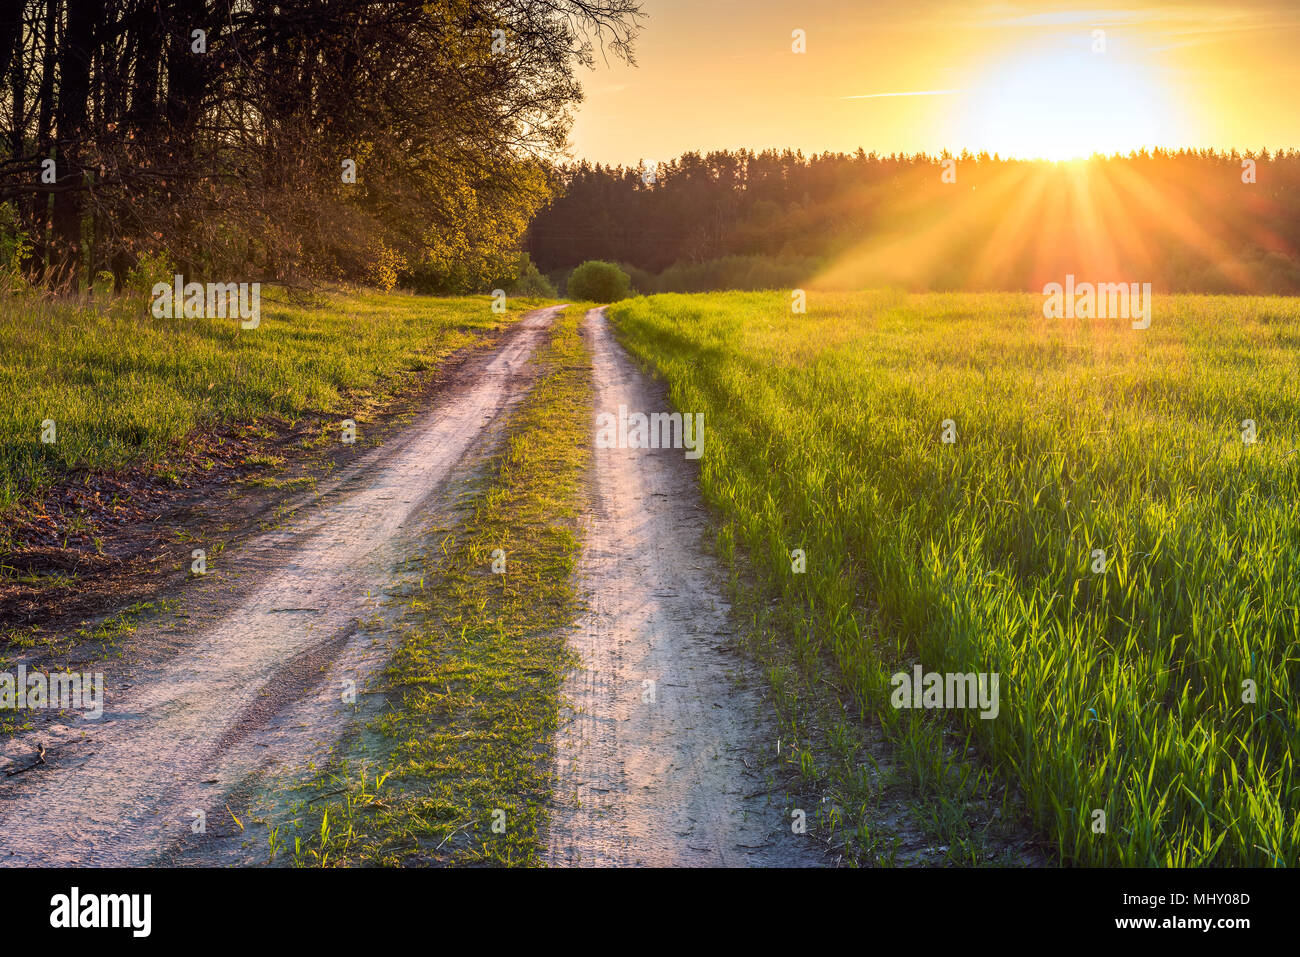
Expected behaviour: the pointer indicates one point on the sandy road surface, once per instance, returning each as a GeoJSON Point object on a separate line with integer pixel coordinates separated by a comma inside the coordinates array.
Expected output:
{"type": "Point", "coordinates": [252, 674]}
{"type": "Point", "coordinates": [680, 780]}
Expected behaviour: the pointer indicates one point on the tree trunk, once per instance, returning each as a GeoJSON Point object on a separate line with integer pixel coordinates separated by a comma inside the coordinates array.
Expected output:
{"type": "Point", "coordinates": [71, 133]}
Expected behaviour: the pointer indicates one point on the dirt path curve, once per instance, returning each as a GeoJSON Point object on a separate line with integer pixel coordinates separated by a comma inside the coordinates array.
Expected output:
{"type": "Point", "coordinates": [251, 675]}
{"type": "Point", "coordinates": [681, 780]}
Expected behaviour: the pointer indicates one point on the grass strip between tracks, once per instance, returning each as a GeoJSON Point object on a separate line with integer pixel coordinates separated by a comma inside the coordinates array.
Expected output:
{"type": "Point", "coordinates": [475, 685]}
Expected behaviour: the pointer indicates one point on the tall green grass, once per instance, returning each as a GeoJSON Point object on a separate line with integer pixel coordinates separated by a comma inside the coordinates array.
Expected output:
{"type": "Point", "coordinates": [1121, 691]}
{"type": "Point", "coordinates": [122, 386]}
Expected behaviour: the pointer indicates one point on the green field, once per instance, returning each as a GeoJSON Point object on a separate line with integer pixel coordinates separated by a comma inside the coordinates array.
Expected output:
{"type": "Point", "coordinates": [1125, 691]}
{"type": "Point", "coordinates": [123, 387]}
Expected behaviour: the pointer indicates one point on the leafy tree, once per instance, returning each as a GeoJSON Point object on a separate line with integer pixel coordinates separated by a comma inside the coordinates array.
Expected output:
{"type": "Point", "coordinates": [281, 138]}
{"type": "Point", "coordinates": [596, 281]}
{"type": "Point", "coordinates": [1183, 220]}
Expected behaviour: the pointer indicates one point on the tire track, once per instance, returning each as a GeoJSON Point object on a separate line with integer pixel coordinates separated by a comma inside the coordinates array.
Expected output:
{"type": "Point", "coordinates": [680, 780]}
{"type": "Point", "coordinates": [178, 734]}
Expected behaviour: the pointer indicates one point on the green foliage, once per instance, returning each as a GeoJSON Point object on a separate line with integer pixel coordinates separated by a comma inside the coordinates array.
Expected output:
{"type": "Point", "coordinates": [1122, 691]}
{"type": "Point", "coordinates": [597, 281]}
{"type": "Point", "coordinates": [102, 285]}
{"type": "Point", "coordinates": [644, 282]}
{"type": "Point", "coordinates": [384, 266]}
{"type": "Point", "coordinates": [743, 273]}
{"type": "Point", "coordinates": [738, 272]}
{"type": "Point", "coordinates": [407, 144]}
{"type": "Point", "coordinates": [14, 250]}
{"type": "Point", "coordinates": [878, 221]}
{"type": "Point", "coordinates": [529, 282]}
{"type": "Point", "coordinates": [149, 269]}
{"type": "Point", "coordinates": [122, 386]}
{"type": "Point", "coordinates": [475, 243]}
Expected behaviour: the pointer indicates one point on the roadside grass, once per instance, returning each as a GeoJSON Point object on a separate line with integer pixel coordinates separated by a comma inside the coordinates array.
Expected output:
{"type": "Point", "coordinates": [1161, 690]}
{"type": "Point", "coordinates": [122, 387]}
{"type": "Point", "coordinates": [107, 635]}
{"type": "Point", "coordinates": [473, 690]}
{"type": "Point", "coordinates": [872, 805]}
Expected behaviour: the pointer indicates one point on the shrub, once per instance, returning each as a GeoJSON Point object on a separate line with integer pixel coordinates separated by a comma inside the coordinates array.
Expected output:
{"type": "Point", "coordinates": [597, 281]}
{"type": "Point", "coordinates": [738, 272]}
{"type": "Point", "coordinates": [384, 266]}
{"type": "Point", "coordinates": [14, 249]}
{"type": "Point", "coordinates": [149, 269]}
{"type": "Point", "coordinates": [643, 281]}
{"type": "Point", "coordinates": [530, 282]}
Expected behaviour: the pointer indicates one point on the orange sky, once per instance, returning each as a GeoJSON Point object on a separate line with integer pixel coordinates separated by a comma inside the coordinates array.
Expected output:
{"type": "Point", "coordinates": [1017, 78]}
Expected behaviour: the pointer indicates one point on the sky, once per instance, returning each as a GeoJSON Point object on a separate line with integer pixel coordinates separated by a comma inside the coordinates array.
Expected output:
{"type": "Point", "coordinates": [1020, 79]}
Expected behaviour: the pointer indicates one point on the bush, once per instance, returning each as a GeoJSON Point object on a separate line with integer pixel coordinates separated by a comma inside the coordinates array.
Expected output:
{"type": "Point", "coordinates": [530, 283]}
{"type": "Point", "coordinates": [149, 270]}
{"type": "Point", "coordinates": [597, 281]}
{"type": "Point", "coordinates": [643, 281]}
{"type": "Point", "coordinates": [384, 266]}
{"type": "Point", "coordinates": [14, 249]}
{"type": "Point", "coordinates": [739, 272]}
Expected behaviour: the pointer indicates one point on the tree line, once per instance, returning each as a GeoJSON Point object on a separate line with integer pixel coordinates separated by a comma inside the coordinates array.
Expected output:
{"type": "Point", "coordinates": [1190, 220]}
{"type": "Point", "coordinates": [270, 139]}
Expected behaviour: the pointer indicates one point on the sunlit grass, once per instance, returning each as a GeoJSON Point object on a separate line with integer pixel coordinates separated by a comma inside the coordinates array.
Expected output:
{"type": "Point", "coordinates": [121, 386]}
{"type": "Point", "coordinates": [474, 687]}
{"type": "Point", "coordinates": [1122, 691]}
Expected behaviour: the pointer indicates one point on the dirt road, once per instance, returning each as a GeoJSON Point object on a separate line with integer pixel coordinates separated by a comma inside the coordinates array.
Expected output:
{"type": "Point", "coordinates": [680, 779]}
{"type": "Point", "coordinates": [251, 676]}
{"type": "Point", "coordinates": [246, 682]}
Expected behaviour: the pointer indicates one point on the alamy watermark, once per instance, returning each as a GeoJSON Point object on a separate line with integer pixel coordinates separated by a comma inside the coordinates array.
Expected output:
{"type": "Point", "coordinates": [949, 689]}
{"type": "Point", "coordinates": [1103, 300]}
{"type": "Point", "coordinates": [130, 911]}
{"type": "Point", "coordinates": [658, 430]}
{"type": "Point", "coordinates": [214, 300]}
{"type": "Point", "coordinates": [61, 691]}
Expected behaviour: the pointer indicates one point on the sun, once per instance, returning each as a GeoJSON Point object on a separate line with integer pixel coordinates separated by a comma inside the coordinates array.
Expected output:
{"type": "Point", "coordinates": [1068, 102]}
